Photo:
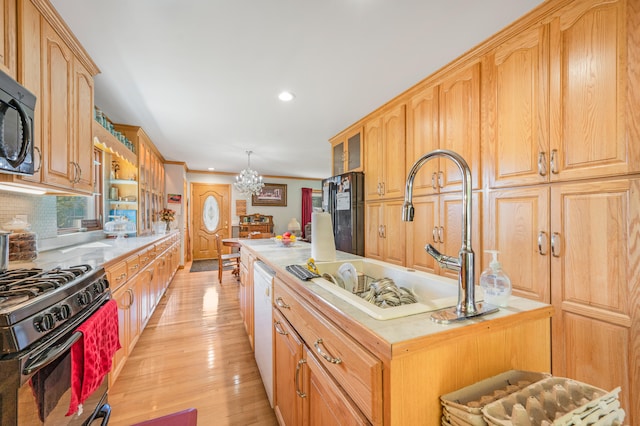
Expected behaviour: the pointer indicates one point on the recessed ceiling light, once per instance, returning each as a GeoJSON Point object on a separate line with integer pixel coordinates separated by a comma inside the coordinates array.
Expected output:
{"type": "Point", "coordinates": [286, 96]}
{"type": "Point", "coordinates": [211, 169]}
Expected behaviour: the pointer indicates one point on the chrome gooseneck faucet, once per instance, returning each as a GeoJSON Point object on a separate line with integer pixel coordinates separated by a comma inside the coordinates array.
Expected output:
{"type": "Point", "coordinates": [464, 264]}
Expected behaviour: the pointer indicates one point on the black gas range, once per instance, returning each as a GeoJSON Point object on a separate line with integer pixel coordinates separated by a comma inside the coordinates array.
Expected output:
{"type": "Point", "coordinates": [40, 311]}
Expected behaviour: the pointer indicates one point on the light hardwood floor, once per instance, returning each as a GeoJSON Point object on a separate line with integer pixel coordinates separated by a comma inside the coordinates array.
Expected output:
{"type": "Point", "coordinates": [194, 352]}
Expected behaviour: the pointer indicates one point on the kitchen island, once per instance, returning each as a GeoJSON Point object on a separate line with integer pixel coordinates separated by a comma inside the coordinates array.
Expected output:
{"type": "Point", "coordinates": [346, 366]}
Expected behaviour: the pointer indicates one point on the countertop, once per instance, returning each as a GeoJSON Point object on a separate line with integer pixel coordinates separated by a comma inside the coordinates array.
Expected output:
{"type": "Point", "coordinates": [96, 253]}
{"type": "Point", "coordinates": [392, 331]}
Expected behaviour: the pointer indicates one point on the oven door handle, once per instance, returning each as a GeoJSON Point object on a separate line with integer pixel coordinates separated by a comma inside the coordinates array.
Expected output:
{"type": "Point", "coordinates": [50, 355]}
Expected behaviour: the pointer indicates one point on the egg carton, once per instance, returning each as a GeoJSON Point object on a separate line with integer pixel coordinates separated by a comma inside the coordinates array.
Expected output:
{"type": "Point", "coordinates": [556, 401]}
{"type": "Point", "coordinates": [464, 406]}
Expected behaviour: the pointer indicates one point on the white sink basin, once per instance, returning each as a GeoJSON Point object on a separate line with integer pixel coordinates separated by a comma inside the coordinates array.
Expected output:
{"type": "Point", "coordinates": [433, 292]}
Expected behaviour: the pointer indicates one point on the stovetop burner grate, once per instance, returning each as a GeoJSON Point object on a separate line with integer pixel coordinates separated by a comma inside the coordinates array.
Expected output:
{"type": "Point", "coordinates": [19, 285]}
{"type": "Point", "coordinates": [36, 303]}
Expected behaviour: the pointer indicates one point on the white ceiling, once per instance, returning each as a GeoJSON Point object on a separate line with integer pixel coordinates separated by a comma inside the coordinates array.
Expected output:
{"type": "Point", "coordinates": [202, 76]}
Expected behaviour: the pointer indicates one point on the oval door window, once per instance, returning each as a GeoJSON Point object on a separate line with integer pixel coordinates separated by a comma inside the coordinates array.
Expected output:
{"type": "Point", "coordinates": [211, 213]}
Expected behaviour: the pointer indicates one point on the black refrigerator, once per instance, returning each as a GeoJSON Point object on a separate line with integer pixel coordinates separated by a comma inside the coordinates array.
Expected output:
{"type": "Point", "coordinates": [343, 199]}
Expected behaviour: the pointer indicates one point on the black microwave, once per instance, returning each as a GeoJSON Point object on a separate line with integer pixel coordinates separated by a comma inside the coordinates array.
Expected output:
{"type": "Point", "coordinates": [16, 127]}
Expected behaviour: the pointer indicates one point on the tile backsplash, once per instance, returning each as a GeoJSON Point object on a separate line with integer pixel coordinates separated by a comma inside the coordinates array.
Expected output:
{"type": "Point", "coordinates": [40, 211]}
{"type": "Point", "coordinates": [42, 216]}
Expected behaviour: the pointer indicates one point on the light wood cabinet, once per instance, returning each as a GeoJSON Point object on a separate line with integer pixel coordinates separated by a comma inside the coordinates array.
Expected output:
{"type": "Point", "coordinates": [151, 177]}
{"type": "Point", "coordinates": [347, 151]}
{"type": "Point", "coordinates": [459, 125]}
{"type": "Point", "coordinates": [327, 403]}
{"type": "Point", "coordinates": [385, 155]}
{"type": "Point", "coordinates": [255, 223]}
{"type": "Point", "coordinates": [127, 295]}
{"type": "Point", "coordinates": [8, 37]}
{"type": "Point", "coordinates": [423, 137]}
{"type": "Point", "coordinates": [438, 221]}
{"type": "Point", "coordinates": [385, 231]}
{"type": "Point", "coordinates": [517, 77]}
{"type": "Point", "coordinates": [594, 284]}
{"type": "Point", "coordinates": [557, 92]}
{"type": "Point", "coordinates": [137, 284]}
{"type": "Point", "coordinates": [287, 373]}
{"type": "Point", "coordinates": [517, 225]}
{"type": "Point", "coordinates": [67, 98]}
{"type": "Point", "coordinates": [591, 79]}
{"type": "Point", "coordinates": [318, 356]}
{"type": "Point", "coordinates": [569, 245]}
{"type": "Point", "coordinates": [245, 294]}
{"type": "Point", "coordinates": [55, 68]}
{"type": "Point", "coordinates": [445, 116]}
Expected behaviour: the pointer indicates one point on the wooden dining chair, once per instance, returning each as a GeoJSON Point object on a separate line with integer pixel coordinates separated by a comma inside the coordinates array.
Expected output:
{"type": "Point", "coordinates": [230, 259]}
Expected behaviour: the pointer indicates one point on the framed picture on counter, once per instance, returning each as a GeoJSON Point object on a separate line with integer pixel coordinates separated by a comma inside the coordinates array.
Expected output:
{"type": "Point", "coordinates": [272, 194]}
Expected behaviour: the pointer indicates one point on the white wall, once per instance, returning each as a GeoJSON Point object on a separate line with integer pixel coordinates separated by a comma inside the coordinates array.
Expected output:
{"type": "Point", "coordinates": [281, 215]}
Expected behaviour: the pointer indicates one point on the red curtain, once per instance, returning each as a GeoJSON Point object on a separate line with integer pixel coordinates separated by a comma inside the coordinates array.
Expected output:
{"type": "Point", "coordinates": [307, 208]}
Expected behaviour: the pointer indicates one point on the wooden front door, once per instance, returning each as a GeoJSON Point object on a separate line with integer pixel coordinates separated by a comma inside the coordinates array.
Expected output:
{"type": "Point", "coordinates": [211, 210]}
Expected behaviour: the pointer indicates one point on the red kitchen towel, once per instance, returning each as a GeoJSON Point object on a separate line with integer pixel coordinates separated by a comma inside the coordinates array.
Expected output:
{"type": "Point", "coordinates": [91, 356]}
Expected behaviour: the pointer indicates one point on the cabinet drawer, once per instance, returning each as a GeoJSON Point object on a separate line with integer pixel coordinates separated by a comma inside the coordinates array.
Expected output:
{"type": "Point", "coordinates": [133, 265]}
{"type": "Point", "coordinates": [147, 257]}
{"type": "Point", "coordinates": [357, 371]}
{"type": "Point", "coordinates": [117, 275]}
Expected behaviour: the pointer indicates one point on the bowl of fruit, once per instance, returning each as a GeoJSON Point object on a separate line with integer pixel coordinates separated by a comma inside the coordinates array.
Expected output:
{"type": "Point", "coordinates": [285, 240]}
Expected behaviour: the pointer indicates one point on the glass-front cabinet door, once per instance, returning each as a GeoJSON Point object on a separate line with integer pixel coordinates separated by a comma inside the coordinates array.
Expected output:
{"type": "Point", "coordinates": [347, 151]}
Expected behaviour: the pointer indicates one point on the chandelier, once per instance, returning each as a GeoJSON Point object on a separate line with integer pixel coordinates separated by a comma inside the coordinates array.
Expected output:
{"type": "Point", "coordinates": [249, 181]}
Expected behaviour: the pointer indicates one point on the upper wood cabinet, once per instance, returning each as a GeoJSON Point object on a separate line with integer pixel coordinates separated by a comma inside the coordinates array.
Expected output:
{"type": "Point", "coordinates": [28, 74]}
{"type": "Point", "coordinates": [588, 65]}
{"type": "Point", "coordinates": [54, 67]}
{"type": "Point", "coordinates": [445, 116]}
{"type": "Point", "coordinates": [385, 155]}
{"type": "Point", "coordinates": [517, 124]}
{"type": "Point", "coordinates": [422, 137]}
{"type": "Point", "coordinates": [82, 131]}
{"type": "Point", "coordinates": [67, 99]}
{"type": "Point", "coordinates": [557, 99]}
{"type": "Point", "coordinates": [347, 150]}
{"type": "Point", "coordinates": [151, 177]}
{"type": "Point", "coordinates": [459, 112]}
{"type": "Point", "coordinates": [8, 37]}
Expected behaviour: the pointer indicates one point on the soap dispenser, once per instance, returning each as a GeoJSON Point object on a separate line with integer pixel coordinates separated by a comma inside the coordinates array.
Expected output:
{"type": "Point", "coordinates": [495, 283]}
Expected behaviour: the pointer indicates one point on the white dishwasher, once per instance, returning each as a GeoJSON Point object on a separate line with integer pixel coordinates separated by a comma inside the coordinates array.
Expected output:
{"type": "Point", "coordinates": [263, 324]}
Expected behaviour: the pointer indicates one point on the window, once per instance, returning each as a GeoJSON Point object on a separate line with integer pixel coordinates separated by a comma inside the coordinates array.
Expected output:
{"type": "Point", "coordinates": [76, 213]}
